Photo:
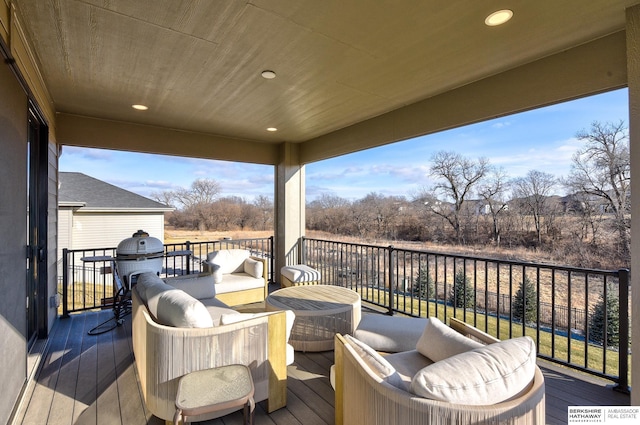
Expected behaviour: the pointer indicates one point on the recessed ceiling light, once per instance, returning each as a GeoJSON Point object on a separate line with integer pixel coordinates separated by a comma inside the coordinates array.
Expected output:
{"type": "Point", "coordinates": [269, 75]}
{"type": "Point", "coordinates": [272, 129]}
{"type": "Point", "coordinates": [140, 107]}
{"type": "Point", "coordinates": [499, 17]}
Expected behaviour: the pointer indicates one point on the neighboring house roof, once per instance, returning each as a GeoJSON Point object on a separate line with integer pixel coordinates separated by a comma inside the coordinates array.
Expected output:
{"type": "Point", "coordinates": [90, 194]}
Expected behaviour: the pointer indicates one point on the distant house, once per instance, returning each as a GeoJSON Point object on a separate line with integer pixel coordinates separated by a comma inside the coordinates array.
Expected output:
{"type": "Point", "coordinates": [96, 214]}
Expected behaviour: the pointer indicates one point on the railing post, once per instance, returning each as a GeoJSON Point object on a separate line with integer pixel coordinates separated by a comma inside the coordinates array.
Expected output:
{"type": "Point", "coordinates": [623, 351]}
{"type": "Point", "coordinates": [189, 256]}
{"type": "Point", "coordinates": [65, 282]}
{"type": "Point", "coordinates": [392, 280]}
{"type": "Point", "coordinates": [272, 261]}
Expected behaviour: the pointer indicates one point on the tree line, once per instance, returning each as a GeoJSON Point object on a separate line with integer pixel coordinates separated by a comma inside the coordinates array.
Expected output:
{"type": "Point", "coordinates": [470, 202]}
{"type": "Point", "coordinates": [200, 207]}
{"type": "Point", "coordinates": [473, 202]}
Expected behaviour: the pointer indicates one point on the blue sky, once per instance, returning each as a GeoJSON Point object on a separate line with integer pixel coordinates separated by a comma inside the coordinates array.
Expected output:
{"type": "Point", "coordinates": [543, 139]}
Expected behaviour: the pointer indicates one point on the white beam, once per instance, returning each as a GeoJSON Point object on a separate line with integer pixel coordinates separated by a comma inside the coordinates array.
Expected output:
{"type": "Point", "coordinates": [75, 130]}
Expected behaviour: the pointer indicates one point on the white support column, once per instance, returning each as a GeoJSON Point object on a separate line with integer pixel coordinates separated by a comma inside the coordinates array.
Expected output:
{"type": "Point", "coordinates": [289, 206]}
{"type": "Point", "coordinates": [633, 81]}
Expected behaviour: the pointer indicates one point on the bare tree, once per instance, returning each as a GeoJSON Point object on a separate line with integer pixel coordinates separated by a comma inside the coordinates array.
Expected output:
{"type": "Point", "coordinates": [456, 176]}
{"type": "Point", "coordinates": [532, 192]}
{"type": "Point", "coordinates": [265, 206]}
{"type": "Point", "coordinates": [166, 197]}
{"type": "Point", "coordinates": [493, 191]}
{"type": "Point", "coordinates": [201, 192]}
{"type": "Point", "coordinates": [602, 169]}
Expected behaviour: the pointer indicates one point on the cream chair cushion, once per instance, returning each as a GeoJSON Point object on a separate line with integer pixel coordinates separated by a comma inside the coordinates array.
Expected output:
{"type": "Point", "coordinates": [439, 341]}
{"type": "Point", "coordinates": [484, 376]}
{"type": "Point", "coordinates": [197, 285]}
{"type": "Point", "coordinates": [173, 307]}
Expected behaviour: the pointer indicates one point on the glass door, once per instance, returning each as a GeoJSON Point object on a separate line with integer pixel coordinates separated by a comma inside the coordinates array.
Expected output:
{"type": "Point", "coordinates": [37, 163]}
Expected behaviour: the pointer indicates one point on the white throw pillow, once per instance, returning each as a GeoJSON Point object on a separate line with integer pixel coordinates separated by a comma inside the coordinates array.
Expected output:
{"type": "Point", "coordinates": [199, 286]}
{"type": "Point", "coordinates": [179, 309]}
{"type": "Point", "coordinates": [253, 267]}
{"type": "Point", "coordinates": [376, 363]}
{"type": "Point", "coordinates": [484, 376]}
{"type": "Point", "coordinates": [439, 341]}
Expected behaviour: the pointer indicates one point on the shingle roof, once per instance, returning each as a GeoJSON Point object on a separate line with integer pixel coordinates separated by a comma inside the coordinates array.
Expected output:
{"type": "Point", "coordinates": [77, 189]}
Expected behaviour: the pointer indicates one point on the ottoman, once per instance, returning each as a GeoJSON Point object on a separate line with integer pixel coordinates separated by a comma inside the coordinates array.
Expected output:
{"type": "Point", "coordinates": [299, 274]}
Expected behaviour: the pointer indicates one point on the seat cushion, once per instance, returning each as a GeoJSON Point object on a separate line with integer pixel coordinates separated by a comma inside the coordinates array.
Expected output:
{"type": "Point", "coordinates": [197, 285]}
{"type": "Point", "coordinates": [238, 282]}
{"type": "Point", "coordinates": [487, 375]}
{"type": "Point", "coordinates": [300, 273]}
{"type": "Point", "coordinates": [407, 364]}
{"type": "Point", "coordinates": [217, 309]}
{"type": "Point", "coordinates": [390, 334]}
{"type": "Point", "coordinates": [438, 341]}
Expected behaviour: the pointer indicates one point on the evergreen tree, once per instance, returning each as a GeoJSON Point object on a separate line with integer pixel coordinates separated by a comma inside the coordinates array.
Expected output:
{"type": "Point", "coordinates": [525, 302]}
{"type": "Point", "coordinates": [423, 286]}
{"type": "Point", "coordinates": [610, 307]}
{"type": "Point", "coordinates": [462, 294]}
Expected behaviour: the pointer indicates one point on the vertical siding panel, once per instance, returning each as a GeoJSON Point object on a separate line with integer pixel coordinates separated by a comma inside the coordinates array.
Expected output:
{"type": "Point", "coordinates": [106, 230]}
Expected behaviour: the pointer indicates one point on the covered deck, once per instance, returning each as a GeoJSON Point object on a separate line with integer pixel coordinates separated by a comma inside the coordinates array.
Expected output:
{"type": "Point", "coordinates": [85, 379]}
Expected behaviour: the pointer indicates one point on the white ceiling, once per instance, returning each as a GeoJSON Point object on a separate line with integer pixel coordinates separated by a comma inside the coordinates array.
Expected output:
{"type": "Point", "coordinates": [197, 64]}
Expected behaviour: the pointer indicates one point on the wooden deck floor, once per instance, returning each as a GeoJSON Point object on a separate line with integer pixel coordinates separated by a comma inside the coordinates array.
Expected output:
{"type": "Point", "coordinates": [86, 379]}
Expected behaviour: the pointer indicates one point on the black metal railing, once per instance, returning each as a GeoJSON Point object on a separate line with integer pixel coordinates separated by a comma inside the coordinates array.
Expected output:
{"type": "Point", "coordinates": [570, 312]}
{"type": "Point", "coordinates": [87, 280]}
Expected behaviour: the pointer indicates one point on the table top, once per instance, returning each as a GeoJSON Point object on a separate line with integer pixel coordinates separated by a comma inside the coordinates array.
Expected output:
{"type": "Point", "coordinates": [310, 298]}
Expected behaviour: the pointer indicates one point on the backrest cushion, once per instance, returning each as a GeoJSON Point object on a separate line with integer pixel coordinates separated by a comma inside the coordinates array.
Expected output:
{"type": "Point", "coordinates": [144, 281]}
{"type": "Point", "coordinates": [174, 307]}
{"type": "Point", "coordinates": [199, 286]}
{"type": "Point", "coordinates": [179, 309]}
{"type": "Point", "coordinates": [487, 375]}
{"type": "Point", "coordinates": [229, 260]}
{"type": "Point", "coordinates": [375, 362]}
{"type": "Point", "coordinates": [439, 341]}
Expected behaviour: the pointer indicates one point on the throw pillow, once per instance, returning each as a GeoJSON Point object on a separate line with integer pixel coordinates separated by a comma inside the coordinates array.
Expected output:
{"type": "Point", "coordinates": [484, 376]}
{"type": "Point", "coordinates": [439, 341]}
{"type": "Point", "coordinates": [253, 267]}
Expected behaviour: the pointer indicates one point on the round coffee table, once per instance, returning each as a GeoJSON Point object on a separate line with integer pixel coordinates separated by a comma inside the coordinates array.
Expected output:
{"type": "Point", "coordinates": [321, 312]}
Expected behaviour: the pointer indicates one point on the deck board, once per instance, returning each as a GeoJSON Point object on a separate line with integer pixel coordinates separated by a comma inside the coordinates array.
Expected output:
{"type": "Point", "coordinates": [85, 379]}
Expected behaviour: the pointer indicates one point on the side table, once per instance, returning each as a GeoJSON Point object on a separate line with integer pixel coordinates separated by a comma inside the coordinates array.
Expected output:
{"type": "Point", "coordinates": [214, 390]}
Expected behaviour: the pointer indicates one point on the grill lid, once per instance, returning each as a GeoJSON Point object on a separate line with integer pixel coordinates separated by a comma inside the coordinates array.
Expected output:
{"type": "Point", "coordinates": [139, 245]}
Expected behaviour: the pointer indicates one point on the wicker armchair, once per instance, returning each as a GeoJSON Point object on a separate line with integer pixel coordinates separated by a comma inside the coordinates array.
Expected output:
{"type": "Point", "coordinates": [363, 397]}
